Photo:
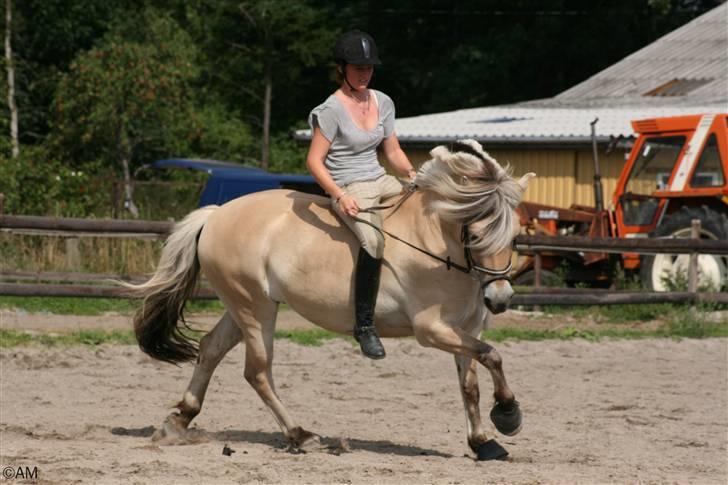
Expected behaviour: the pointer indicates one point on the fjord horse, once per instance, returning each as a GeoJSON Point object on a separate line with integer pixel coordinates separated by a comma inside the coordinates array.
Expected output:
{"type": "Point", "coordinates": [447, 256]}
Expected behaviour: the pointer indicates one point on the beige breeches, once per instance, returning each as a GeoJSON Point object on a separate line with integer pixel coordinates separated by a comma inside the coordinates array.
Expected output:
{"type": "Point", "coordinates": [369, 194]}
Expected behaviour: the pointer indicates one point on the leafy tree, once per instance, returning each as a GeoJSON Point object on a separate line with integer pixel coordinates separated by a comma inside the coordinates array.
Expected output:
{"type": "Point", "coordinates": [266, 46]}
{"type": "Point", "coordinates": [126, 97]}
{"type": "Point", "coordinates": [47, 35]}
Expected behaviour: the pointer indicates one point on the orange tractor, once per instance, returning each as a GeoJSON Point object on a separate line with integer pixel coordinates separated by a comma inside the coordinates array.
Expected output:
{"type": "Point", "coordinates": [676, 172]}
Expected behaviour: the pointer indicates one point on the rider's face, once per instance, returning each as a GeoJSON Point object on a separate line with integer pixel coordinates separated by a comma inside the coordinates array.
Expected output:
{"type": "Point", "coordinates": [359, 75]}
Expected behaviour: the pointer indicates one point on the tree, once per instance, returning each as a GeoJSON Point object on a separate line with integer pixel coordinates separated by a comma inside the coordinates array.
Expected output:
{"type": "Point", "coordinates": [278, 40]}
{"type": "Point", "coordinates": [127, 96]}
{"type": "Point", "coordinates": [12, 106]}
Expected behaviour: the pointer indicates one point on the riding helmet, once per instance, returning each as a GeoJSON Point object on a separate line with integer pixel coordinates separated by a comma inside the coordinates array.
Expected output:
{"type": "Point", "coordinates": [356, 47]}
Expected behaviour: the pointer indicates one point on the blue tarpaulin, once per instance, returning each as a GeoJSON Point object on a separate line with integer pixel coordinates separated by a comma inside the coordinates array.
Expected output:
{"type": "Point", "coordinates": [228, 180]}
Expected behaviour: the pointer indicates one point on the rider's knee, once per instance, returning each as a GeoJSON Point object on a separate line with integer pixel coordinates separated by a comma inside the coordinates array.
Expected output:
{"type": "Point", "coordinates": [374, 245]}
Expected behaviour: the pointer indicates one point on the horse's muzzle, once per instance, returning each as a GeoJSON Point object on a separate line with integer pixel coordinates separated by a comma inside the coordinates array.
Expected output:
{"type": "Point", "coordinates": [496, 308]}
{"type": "Point", "coordinates": [497, 297]}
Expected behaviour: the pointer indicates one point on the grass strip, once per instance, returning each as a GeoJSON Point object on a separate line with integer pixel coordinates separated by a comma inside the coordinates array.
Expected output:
{"type": "Point", "coordinates": [317, 337]}
{"type": "Point", "coordinates": [92, 306]}
{"type": "Point", "coordinates": [685, 330]}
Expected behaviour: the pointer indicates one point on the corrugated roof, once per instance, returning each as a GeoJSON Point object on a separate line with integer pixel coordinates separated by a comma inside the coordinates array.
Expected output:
{"type": "Point", "coordinates": [690, 63]}
{"type": "Point", "coordinates": [696, 51]}
{"type": "Point", "coordinates": [520, 125]}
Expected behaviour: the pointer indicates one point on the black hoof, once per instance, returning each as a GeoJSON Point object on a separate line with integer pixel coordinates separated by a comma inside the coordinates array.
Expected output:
{"type": "Point", "coordinates": [507, 418]}
{"type": "Point", "coordinates": [491, 450]}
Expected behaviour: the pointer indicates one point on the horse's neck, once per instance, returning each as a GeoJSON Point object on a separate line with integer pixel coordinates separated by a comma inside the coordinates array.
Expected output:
{"type": "Point", "coordinates": [417, 224]}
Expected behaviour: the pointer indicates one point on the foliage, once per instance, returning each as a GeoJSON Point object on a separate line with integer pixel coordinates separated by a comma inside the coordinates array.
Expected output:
{"type": "Point", "coordinates": [128, 95]}
{"type": "Point", "coordinates": [36, 183]}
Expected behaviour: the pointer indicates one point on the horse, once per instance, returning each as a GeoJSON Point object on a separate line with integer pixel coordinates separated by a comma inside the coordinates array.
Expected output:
{"type": "Point", "coordinates": [447, 258]}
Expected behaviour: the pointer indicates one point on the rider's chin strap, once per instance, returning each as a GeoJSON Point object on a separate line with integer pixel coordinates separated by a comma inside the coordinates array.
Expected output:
{"type": "Point", "coordinates": [346, 78]}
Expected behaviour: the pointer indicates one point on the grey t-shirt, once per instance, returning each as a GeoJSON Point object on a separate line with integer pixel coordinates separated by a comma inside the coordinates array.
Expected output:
{"type": "Point", "coordinates": [352, 156]}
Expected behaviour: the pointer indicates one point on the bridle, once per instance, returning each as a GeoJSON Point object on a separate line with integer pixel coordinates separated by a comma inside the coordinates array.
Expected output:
{"type": "Point", "coordinates": [488, 275]}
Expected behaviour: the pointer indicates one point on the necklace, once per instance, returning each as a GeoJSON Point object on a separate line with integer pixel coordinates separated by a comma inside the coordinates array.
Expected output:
{"type": "Point", "coordinates": [362, 104]}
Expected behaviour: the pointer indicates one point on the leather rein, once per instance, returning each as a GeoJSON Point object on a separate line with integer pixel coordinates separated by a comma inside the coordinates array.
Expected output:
{"type": "Point", "coordinates": [491, 275]}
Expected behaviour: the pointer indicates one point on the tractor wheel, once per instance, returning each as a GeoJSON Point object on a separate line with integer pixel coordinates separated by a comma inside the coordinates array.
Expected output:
{"type": "Point", "coordinates": [547, 279]}
{"type": "Point", "coordinates": [657, 271]}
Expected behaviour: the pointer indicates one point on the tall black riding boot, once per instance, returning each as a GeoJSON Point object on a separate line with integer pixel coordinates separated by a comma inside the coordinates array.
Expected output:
{"type": "Point", "coordinates": [366, 287]}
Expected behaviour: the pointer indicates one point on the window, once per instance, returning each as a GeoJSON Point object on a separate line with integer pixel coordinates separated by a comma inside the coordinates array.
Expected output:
{"type": "Point", "coordinates": [709, 172]}
{"type": "Point", "coordinates": [651, 172]}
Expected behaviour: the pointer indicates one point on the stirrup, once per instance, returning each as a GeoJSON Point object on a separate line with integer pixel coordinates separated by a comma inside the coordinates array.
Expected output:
{"type": "Point", "coordinates": [369, 342]}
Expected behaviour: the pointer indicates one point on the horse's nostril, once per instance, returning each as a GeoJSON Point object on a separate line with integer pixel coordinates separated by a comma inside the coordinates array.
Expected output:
{"type": "Point", "coordinates": [495, 307]}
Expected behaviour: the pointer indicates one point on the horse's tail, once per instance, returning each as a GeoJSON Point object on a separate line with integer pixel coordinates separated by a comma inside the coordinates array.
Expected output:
{"type": "Point", "coordinates": [165, 294]}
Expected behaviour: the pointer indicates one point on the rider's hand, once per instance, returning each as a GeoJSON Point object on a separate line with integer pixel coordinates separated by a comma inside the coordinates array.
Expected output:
{"type": "Point", "coordinates": [348, 205]}
{"type": "Point", "coordinates": [411, 177]}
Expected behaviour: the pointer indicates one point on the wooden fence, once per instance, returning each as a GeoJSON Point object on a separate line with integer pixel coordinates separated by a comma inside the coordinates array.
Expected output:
{"type": "Point", "coordinates": [76, 284]}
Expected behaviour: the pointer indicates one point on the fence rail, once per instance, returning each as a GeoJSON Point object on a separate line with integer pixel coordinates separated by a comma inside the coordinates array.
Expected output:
{"type": "Point", "coordinates": [524, 243]}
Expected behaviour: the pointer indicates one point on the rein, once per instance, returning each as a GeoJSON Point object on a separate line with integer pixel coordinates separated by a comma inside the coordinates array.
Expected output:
{"type": "Point", "coordinates": [493, 274]}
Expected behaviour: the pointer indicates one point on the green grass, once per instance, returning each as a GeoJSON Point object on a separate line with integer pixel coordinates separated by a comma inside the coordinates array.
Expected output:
{"type": "Point", "coordinates": [677, 328]}
{"type": "Point", "coordinates": [91, 306]}
{"type": "Point", "coordinates": [680, 329]}
{"type": "Point", "coordinates": [312, 338]}
{"type": "Point", "coordinates": [14, 338]}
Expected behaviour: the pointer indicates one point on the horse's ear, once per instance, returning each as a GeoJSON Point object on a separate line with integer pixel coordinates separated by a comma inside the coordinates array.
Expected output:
{"type": "Point", "coordinates": [441, 153]}
{"type": "Point", "coordinates": [525, 180]}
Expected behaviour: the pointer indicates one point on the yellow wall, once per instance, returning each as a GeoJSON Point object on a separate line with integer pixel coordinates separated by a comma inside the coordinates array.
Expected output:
{"type": "Point", "coordinates": [563, 176]}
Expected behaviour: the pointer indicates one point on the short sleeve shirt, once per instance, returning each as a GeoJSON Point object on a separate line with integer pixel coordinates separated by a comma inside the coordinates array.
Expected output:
{"type": "Point", "coordinates": [352, 156]}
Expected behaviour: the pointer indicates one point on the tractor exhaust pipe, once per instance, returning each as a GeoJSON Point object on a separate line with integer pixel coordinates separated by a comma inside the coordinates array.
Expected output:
{"type": "Point", "coordinates": [598, 189]}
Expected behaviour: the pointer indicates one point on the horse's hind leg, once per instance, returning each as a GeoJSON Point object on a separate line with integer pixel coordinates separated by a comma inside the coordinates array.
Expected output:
{"type": "Point", "coordinates": [213, 347]}
{"type": "Point", "coordinates": [258, 324]}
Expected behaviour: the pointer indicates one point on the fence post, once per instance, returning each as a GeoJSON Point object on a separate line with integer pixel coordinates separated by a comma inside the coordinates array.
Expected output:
{"type": "Point", "coordinates": [537, 263]}
{"type": "Point", "coordinates": [2, 203]}
{"type": "Point", "coordinates": [693, 262]}
{"type": "Point", "coordinates": [73, 254]}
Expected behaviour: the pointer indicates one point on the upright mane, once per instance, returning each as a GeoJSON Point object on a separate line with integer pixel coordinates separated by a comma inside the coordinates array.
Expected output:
{"type": "Point", "coordinates": [471, 186]}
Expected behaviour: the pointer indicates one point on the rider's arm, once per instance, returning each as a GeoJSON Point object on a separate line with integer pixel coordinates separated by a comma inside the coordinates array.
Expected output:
{"type": "Point", "coordinates": [315, 162]}
{"type": "Point", "coordinates": [396, 156]}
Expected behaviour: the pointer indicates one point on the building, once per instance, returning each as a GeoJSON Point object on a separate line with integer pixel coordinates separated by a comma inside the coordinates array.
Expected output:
{"type": "Point", "coordinates": [683, 72]}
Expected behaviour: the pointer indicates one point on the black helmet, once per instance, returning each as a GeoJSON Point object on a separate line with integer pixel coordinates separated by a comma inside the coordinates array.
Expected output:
{"type": "Point", "coordinates": [356, 47]}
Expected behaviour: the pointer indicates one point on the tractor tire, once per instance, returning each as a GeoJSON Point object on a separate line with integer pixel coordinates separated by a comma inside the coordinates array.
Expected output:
{"type": "Point", "coordinates": [547, 279]}
{"type": "Point", "coordinates": [657, 271]}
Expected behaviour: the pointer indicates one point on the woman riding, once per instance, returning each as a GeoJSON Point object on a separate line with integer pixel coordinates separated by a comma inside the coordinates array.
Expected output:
{"type": "Point", "coordinates": [347, 128]}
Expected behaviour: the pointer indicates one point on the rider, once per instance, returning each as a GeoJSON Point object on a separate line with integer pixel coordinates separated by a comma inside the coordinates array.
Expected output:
{"type": "Point", "coordinates": [347, 129]}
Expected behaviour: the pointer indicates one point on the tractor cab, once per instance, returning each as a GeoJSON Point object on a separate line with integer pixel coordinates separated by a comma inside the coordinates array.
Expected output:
{"type": "Point", "coordinates": [676, 162]}
{"type": "Point", "coordinates": [676, 172]}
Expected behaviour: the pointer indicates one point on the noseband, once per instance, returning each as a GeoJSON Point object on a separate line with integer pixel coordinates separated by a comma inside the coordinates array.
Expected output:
{"type": "Point", "coordinates": [492, 274]}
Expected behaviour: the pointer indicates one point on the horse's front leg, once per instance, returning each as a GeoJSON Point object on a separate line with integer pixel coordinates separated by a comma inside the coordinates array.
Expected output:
{"type": "Point", "coordinates": [506, 415]}
{"type": "Point", "coordinates": [468, 377]}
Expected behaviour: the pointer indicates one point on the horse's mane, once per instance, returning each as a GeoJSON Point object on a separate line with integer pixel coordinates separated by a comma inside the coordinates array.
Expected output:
{"type": "Point", "coordinates": [471, 186]}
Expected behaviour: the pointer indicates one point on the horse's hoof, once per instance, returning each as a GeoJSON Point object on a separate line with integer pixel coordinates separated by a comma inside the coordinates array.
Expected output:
{"type": "Point", "coordinates": [491, 450]}
{"type": "Point", "coordinates": [302, 441]}
{"type": "Point", "coordinates": [507, 417]}
{"type": "Point", "coordinates": [172, 429]}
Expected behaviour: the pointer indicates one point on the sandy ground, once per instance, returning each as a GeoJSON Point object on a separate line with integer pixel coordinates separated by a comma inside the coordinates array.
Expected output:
{"type": "Point", "coordinates": [647, 411]}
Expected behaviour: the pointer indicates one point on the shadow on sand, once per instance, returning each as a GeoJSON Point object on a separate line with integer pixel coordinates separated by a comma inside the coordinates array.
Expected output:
{"type": "Point", "coordinates": [333, 445]}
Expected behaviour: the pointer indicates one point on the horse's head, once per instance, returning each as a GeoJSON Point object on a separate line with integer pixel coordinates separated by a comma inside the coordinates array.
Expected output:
{"type": "Point", "coordinates": [480, 195]}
